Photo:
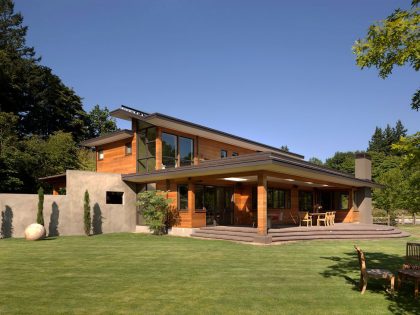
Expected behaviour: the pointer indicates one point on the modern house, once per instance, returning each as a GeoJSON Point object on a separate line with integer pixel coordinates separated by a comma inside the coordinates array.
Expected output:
{"type": "Point", "coordinates": [216, 178]}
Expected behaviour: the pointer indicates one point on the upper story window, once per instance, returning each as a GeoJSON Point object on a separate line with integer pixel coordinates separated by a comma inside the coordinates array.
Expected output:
{"type": "Point", "coordinates": [169, 150]}
{"type": "Point", "coordinates": [147, 150]}
{"type": "Point", "coordinates": [223, 154]}
{"type": "Point", "coordinates": [176, 151]}
{"type": "Point", "coordinates": [100, 154]}
{"type": "Point", "coordinates": [186, 151]}
{"type": "Point", "coordinates": [235, 153]}
{"type": "Point", "coordinates": [128, 149]}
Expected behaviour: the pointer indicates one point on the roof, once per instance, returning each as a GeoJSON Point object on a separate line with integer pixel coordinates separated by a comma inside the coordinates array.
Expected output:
{"type": "Point", "coordinates": [158, 119]}
{"type": "Point", "coordinates": [262, 161]}
{"type": "Point", "coordinates": [108, 138]}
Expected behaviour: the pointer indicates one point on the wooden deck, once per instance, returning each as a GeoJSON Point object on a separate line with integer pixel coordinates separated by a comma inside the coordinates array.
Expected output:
{"type": "Point", "coordinates": [287, 233]}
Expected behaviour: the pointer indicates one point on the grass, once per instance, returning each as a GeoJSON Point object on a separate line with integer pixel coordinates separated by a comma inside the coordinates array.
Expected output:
{"type": "Point", "coordinates": [133, 273]}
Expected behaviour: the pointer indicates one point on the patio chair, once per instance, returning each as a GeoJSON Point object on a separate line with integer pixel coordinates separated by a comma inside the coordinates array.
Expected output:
{"type": "Point", "coordinates": [331, 220]}
{"type": "Point", "coordinates": [324, 219]}
{"type": "Point", "coordinates": [305, 217]}
{"type": "Point", "coordinates": [365, 273]}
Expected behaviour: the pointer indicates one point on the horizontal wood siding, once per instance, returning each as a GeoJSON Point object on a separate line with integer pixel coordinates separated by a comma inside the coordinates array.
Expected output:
{"type": "Point", "coordinates": [210, 149]}
{"type": "Point", "coordinates": [115, 160]}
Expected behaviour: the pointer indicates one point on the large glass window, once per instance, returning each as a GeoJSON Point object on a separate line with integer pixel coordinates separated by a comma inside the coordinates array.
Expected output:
{"type": "Point", "coordinates": [183, 197]}
{"type": "Point", "coordinates": [174, 147]}
{"type": "Point", "coordinates": [305, 201]}
{"type": "Point", "coordinates": [147, 150]}
{"type": "Point", "coordinates": [199, 192]}
{"type": "Point", "coordinates": [278, 198]}
{"type": "Point", "coordinates": [186, 151]}
{"type": "Point", "coordinates": [169, 150]}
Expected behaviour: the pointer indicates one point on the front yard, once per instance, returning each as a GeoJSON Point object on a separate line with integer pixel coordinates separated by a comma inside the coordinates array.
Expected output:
{"type": "Point", "coordinates": [133, 273]}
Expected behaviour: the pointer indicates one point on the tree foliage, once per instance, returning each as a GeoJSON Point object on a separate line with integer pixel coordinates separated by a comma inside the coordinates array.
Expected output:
{"type": "Point", "coordinates": [394, 41]}
{"type": "Point", "coordinates": [382, 140]}
{"type": "Point", "coordinates": [41, 119]}
{"type": "Point", "coordinates": [315, 160]}
{"type": "Point", "coordinates": [342, 161]}
{"type": "Point", "coordinates": [100, 122]}
{"type": "Point", "coordinates": [156, 211]}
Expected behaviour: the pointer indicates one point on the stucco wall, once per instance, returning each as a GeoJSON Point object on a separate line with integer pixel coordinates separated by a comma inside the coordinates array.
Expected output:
{"type": "Point", "coordinates": [63, 215]}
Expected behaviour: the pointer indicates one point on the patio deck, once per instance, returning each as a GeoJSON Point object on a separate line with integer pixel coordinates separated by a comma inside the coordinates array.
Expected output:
{"type": "Point", "coordinates": [300, 233]}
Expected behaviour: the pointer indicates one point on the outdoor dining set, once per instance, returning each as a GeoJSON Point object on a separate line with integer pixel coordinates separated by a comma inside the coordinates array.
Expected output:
{"type": "Point", "coordinates": [321, 218]}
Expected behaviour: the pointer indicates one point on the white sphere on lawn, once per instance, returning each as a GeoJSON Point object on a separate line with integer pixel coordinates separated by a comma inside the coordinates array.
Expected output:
{"type": "Point", "coordinates": [35, 232]}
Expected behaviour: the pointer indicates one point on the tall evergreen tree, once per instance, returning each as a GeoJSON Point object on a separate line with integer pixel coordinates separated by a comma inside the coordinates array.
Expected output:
{"type": "Point", "coordinates": [377, 142]}
{"type": "Point", "coordinates": [31, 91]}
{"type": "Point", "coordinates": [399, 131]}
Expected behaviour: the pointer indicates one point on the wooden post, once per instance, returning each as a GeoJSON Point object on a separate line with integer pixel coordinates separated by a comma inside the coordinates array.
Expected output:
{"type": "Point", "coordinates": [414, 218]}
{"type": "Point", "coordinates": [262, 203]}
{"type": "Point", "coordinates": [389, 219]}
{"type": "Point", "coordinates": [196, 162]}
{"type": "Point", "coordinates": [158, 148]}
{"type": "Point", "coordinates": [191, 201]}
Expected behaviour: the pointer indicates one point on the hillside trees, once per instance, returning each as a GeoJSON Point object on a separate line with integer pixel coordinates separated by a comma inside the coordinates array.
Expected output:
{"type": "Point", "coordinates": [41, 119]}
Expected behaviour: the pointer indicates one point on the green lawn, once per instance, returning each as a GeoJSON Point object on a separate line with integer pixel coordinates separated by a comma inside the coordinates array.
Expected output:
{"type": "Point", "coordinates": [133, 273]}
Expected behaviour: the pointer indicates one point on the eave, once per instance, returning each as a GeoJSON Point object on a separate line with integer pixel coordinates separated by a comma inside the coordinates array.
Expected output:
{"type": "Point", "coordinates": [254, 163]}
{"type": "Point", "coordinates": [108, 138]}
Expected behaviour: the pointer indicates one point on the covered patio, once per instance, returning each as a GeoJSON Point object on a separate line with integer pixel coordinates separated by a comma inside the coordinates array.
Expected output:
{"type": "Point", "coordinates": [260, 190]}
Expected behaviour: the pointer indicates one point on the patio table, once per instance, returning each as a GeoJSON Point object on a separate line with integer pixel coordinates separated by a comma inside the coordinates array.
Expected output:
{"type": "Point", "coordinates": [411, 274]}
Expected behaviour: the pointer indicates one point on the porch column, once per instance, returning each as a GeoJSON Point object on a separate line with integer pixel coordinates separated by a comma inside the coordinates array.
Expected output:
{"type": "Point", "coordinates": [262, 204]}
{"type": "Point", "coordinates": [191, 201]}
{"type": "Point", "coordinates": [158, 144]}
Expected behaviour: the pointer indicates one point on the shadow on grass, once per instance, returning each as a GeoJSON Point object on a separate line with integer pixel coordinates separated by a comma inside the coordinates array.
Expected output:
{"type": "Point", "coordinates": [347, 267]}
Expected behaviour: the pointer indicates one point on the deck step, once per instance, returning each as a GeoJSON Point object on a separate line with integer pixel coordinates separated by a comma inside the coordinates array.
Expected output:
{"type": "Point", "coordinates": [224, 237]}
{"type": "Point", "coordinates": [337, 232]}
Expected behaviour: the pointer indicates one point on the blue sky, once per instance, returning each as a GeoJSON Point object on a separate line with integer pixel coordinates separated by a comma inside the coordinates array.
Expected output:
{"type": "Point", "coordinates": [278, 72]}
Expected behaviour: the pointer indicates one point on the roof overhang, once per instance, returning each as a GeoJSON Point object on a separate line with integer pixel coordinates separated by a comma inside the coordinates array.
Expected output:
{"type": "Point", "coordinates": [169, 122]}
{"type": "Point", "coordinates": [254, 163]}
{"type": "Point", "coordinates": [108, 138]}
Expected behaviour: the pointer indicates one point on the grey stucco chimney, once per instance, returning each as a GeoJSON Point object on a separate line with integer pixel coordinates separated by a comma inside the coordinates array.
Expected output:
{"type": "Point", "coordinates": [363, 167]}
{"type": "Point", "coordinates": [363, 197]}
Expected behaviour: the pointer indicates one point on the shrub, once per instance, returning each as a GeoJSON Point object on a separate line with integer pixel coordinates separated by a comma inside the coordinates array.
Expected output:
{"type": "Point", "coordinates": [86, 214]}
{"type": "Point", "coordinates": [156, 211]}
{"type": "Point", "coordinates": [40, 213]}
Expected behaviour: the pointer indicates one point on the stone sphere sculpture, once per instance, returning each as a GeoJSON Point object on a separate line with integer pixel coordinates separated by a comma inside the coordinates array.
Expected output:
{"type": "Point", "coordinates": [35, 232]}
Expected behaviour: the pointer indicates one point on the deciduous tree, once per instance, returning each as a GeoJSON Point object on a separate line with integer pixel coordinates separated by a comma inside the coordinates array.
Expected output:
{"type": "Point", "coordinates": [394, 41]}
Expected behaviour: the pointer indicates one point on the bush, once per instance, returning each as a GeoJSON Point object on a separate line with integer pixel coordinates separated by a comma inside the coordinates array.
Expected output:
{"type": "Point", "coordinates": [86, 214]}
{"type": "Point", "coordinates": [156, 211]}
{"type": "Point", "coordinates": [40, 213]}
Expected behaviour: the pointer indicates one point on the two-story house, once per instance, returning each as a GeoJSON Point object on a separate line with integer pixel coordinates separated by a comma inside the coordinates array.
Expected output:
{"type": "Point", "coordinates": [213, 177]}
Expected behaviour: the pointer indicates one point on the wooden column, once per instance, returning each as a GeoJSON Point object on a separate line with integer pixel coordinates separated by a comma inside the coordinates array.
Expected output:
{"type": "Point", "coordinates": [262, 204]}
{"type": "Point", "coordinates": [191, 201]}
{"type": "Point", "coordinates": [158, 148]}
{"type": "Point", "coordinates": [196, 150]}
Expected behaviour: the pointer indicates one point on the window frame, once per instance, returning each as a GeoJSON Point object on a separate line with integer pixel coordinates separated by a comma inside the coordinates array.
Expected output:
{"type": "Point", "coordinates": [148, 156]}
{"type": "Point", "coordinates": [299, 200]}
{"type": "Point", "coordinates": [286, 204]}
{"type": "Point", "coordinates": [223, 152]}
{"type": "Point", "coordinates": [101, 152]}
{"type": "Point", "coordinates": [120, 195]}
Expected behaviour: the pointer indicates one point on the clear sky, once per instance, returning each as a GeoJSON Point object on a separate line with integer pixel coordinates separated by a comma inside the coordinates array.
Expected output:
{"type": "Point", "coordinates": [278, 72]}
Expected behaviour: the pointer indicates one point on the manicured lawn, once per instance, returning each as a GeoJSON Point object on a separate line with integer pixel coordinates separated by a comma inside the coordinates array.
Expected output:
{"type": "Point", "coordinates": [132, 273]}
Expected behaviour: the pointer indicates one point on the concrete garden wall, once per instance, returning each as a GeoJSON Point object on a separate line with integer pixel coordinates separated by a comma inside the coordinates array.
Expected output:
{"type": "Point", "coordinates": [63, 215]}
